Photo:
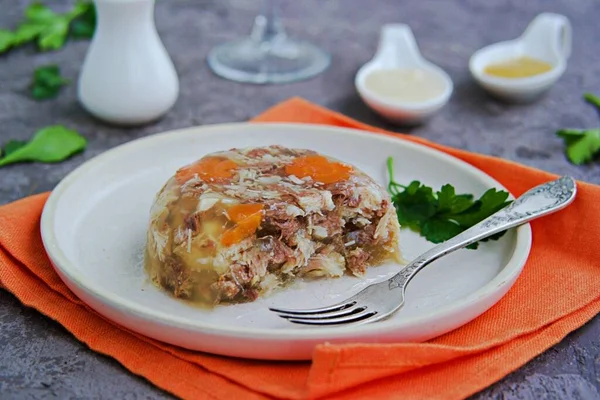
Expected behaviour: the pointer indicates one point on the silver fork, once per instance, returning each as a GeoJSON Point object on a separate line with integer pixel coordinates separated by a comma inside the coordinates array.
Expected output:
{"type": "Point", "coordinates": [380, 300]}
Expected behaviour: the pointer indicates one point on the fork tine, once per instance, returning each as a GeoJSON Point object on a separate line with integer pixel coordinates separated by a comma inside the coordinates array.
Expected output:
{"type": "Point", "coordinates": [359, 317]}
{"type": "Point", "coordinates": [335, 307]}
{"type": "Point", "coordinates": [333, 314]}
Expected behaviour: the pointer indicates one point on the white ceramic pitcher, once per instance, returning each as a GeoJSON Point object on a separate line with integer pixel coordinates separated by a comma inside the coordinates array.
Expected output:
{"type": "Point", "coordinates": [127, 77]}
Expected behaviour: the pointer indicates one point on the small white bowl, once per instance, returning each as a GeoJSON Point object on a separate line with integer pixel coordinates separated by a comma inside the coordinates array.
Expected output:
{"type": "Point", "coordinates": [547, 38]}
{"type": "Point", "coordinates": [398, 50]}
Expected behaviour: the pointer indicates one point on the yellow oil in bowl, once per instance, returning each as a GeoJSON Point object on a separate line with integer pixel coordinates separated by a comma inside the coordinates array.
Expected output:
{"type": "Point", "coordinates": [521, 67]}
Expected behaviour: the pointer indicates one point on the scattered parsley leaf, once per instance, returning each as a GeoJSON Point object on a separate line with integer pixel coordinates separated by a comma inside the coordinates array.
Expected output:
{"type": "Point", "coordinates": [6, 39]}
{"type": "Point", "coordinates": [13, 145]}
{"type": "Point", "coordinates": [50, 144]}
{"type": "Point", "coordinates": [582, 145]}
{"type": "Point", "coordinates": [84, 24]}
{"type": "Point", "coordinates": [439, 216]}
{"type": "Point", "coordinates": [27, 32]}
{"type": "Point", "coordinates": [49, 29]}
{"type": "Point", "coordinates": [80, 8]}
{"type": "Point", "coordinates": [593, 100]}
{"type": "Point", "coordinates": [47, 82]}
{"type": "Point", "coordinates": [38, 12]}
{"type": "Point", "coordinates": [54, 35]}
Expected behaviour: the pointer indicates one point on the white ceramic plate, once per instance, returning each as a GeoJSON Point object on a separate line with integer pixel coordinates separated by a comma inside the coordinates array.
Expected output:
{"type": "Point", "coordinates": [93, 228]}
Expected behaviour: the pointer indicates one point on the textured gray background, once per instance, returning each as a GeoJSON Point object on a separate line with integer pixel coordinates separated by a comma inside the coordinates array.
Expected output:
{"type": "Point", "coordinates": [39, 359]}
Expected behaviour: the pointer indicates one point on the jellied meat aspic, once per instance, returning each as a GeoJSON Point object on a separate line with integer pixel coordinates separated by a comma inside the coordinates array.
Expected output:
{"type": "Point", "coordinates": [238, 224]}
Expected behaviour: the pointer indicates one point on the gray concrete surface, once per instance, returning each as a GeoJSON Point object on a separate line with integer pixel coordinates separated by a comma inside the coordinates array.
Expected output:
{"type": "Point", "coordinates": [39, 359]}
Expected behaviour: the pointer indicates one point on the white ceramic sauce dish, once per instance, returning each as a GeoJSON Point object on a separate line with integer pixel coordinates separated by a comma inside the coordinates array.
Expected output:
{"type": "Point", "coordinates": [397, 62]}
{"type": "Point", "coordinates": [547, 38]}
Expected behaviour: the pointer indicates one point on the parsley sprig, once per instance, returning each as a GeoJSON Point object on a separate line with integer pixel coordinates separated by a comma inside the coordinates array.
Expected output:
{"type": "Point", "coordinates": [441, 215]}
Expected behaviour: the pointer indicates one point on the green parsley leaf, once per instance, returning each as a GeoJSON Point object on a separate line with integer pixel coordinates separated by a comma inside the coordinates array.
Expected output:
{"type": "Point", "coordinates": [27, 32]}
{"type": "Point", "coordinates": [439, 216]}
{"type": "Point", "coordinates": [11, 146]}
{"type": "Point", "coordinates": [449, 201]}
{"type": "Point", "coordinates": [47, 82]}
{"type": "Point", "coordinates": [80, 8]}
{"type": "Point", "coordinates": [491, 201]}
{"type": "Point", "coordinates": [415, 205]}
{"type": "Point", "coordinates": [38, 12]}
{"type": "Point", "coordinates": [593, 100]}
{"type": "Point", "coordinates": [49, 29]}
{"type": "Point", "coordinates": [54, 35]}
{"type": "Point", "coordinates": [49, 145]}
{"type": "Point", "coordinates": [84, 24]}
{"type": "Point", "coordinates": [581, 145]}
{"type": "Point", "coordinates": [438, 230]}
{"type": "Point", "coordinates": [7, 39]}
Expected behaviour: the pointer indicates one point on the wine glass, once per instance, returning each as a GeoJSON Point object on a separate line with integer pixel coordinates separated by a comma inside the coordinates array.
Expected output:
{"type": "Point", "coordinates": [268, 55]}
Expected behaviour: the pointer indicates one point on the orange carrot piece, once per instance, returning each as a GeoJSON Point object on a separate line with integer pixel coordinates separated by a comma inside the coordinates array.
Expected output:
{"type": "Point", "coordinates": [242, 230]}
{"type": "Point", "coordinates": [318, 168]}
{"type": "Point", "coordinates": [209, 169]}
{"type": "Point", "coordinates": [240, 212]}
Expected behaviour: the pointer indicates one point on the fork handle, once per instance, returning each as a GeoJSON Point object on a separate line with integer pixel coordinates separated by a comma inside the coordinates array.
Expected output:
{"type": "Point", "coordinates": [537, 202]}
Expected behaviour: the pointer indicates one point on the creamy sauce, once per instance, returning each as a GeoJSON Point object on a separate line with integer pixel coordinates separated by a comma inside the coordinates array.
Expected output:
{"type": "Point", "coordinates": [521, 67]}
{"type": "Point", "coordinates": [405, 85]}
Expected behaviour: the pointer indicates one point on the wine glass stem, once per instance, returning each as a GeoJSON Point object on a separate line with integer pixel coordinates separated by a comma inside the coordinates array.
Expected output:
{"type": "Point", "coordinates": [267, 26]}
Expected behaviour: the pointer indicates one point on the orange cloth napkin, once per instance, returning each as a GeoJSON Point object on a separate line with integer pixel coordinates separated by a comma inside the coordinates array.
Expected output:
{"type": "Point", "coordinates": [557, 292]}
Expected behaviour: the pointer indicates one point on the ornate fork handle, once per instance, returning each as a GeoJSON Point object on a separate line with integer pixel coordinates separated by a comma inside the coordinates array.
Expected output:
{"type": "Point", "coordinates": [537, 202]}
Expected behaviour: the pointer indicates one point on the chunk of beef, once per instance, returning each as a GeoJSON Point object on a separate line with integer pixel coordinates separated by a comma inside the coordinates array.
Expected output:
{"type": "Point", "coordinates": [241, 274]}
{"type": "Point", "coordinates": [192, 222]}
{"type": "Point", "coordinates": [231, 291]}
{"type": "Point", "coordinates": [226, 289]}
{"type": "Point", "coordinates": [338, 244]}
{"type": "Point", "coordinates": [383, 209]}
{"type": "Point", "coordinates": [250, 294]}
{"type": "Point", "coordinates": [361, 237]}
{"type": "Point", "coordinates": [278, 252]}
{"type": "Point", "coordinates": [356, 261]}
{"type": "Point", "coordinates": [326, 262]}
{"type": "Point", "coordinates": [257, 152]}
{"type": "Point", "coordinates": [175, 277]}
{"type": "Point", "coordinates": [268, 169]}
{"type": "Point", "coordinates": [330, 221]}
{"type": "Point", "coordinates": [343, 194]}
{"type": "Point", "coordinates": [276, 209]}
{"type": "Point", "coordinates": [283, 228]}
{"type": "Point", "coordinates": [284, 151]}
